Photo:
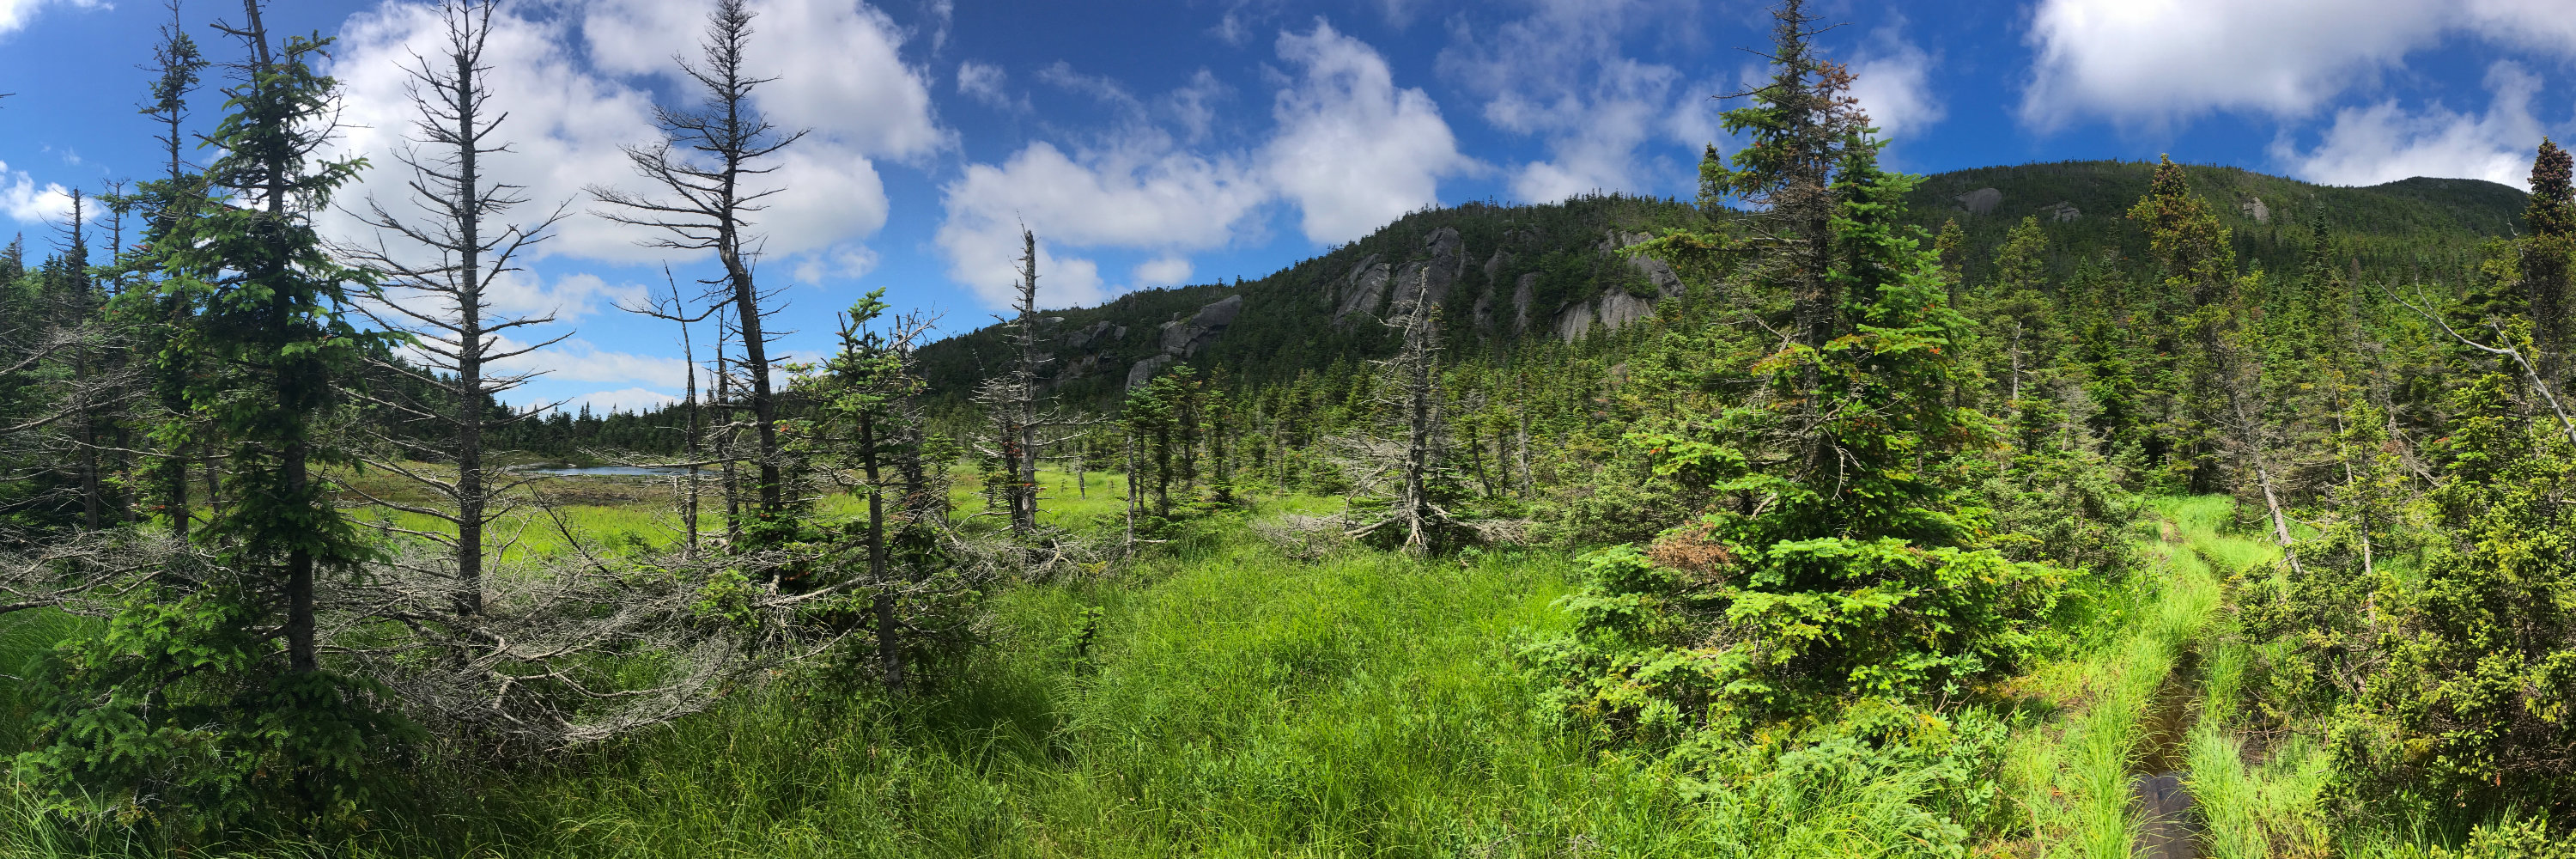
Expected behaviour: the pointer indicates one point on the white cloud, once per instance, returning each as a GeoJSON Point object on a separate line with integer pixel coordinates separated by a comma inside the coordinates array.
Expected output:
{"type": "Point", "coordinates": [985, 82]}
{"type": "Point", "coordinates": [2539, 24]}
{"type": "Point", "coordinates": [572, 84]}
{"type": "Point", "coordinates": [1143, 195]}
{"type": "Point", "coordinates": [1350, 149]}
{"type": "Point", "coordinates": [1595, 144]}
{"type": "Point", "coordinates": [622, 400]}
{"type": "Point", "coordinates": [1892, 79]}
{"type": "Point", "coordinates": [15, 14]}
{"type": "Point", "coordinates": [30, 203]}
{"type": "Point", "coordinates": [2157, 63]}
{"type": "Point", "coordinates": [1353, 150]}
{"type": "Point", "coordinates": [572, 297]}
{"type": "Point", "coordinates": [565, 125]}
{"type": "Point", "coordinates": [839, 70]}
{"type": "Point", "coordinates": [1560, 74]}
{"type": "Point", "coordinates": [2384, 142]}
{"type": "Point", "coordinates": [577, 360]}
{"type": "Point", "coordinates": [1162, 271]}
{"type": "Point", "coordinates": [848, 262]}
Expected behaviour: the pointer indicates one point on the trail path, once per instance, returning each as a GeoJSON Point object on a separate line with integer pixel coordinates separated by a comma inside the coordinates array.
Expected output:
{"type": "Point", "coordinates": [2114, 778]}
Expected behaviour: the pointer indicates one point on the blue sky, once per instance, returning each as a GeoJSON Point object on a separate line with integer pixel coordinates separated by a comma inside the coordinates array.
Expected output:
{"type": "Point", "coordinates": [1160, 142]}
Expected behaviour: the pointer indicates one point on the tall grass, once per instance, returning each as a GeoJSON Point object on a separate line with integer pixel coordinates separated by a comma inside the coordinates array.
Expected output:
{"type": "Point", "coordinates": [1233, 702]}
{"type": "Point", "coordinates": [2073, 776]}
{"type": "Point", "coordinates": [2251, 810]}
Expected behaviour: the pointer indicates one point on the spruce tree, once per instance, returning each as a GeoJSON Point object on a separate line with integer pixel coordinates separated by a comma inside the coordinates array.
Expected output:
{"type": "Point", "coordinates": [1837, 559]}
{"type": "Point", "coordinates": [2551, 215]}
{"type": "Point", "coordinates": [159, 316]}
{"type": "Point", "coordinates": [206, 700]}
{"type": "Point", "coordinates": [866, 421]}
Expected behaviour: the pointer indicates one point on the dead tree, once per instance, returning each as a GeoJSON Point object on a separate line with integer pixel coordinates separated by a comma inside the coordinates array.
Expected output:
{"type": "Point", "coordinates": [442, 260]}
{"type": "Point", "coordinates": [702, 164]}
{"type": "Point", "coordinates": [1403, 465]}
{"type": "Point", "coordinates": [1022, 420]}
{"type": "Point", "coordinates": [2242, 377]}
{"type": "Point", "coordinates": [693, 448]}
{"type": "Point", "coordinates": [80, 309]}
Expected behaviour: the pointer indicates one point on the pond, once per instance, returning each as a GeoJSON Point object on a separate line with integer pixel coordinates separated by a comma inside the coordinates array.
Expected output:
{"type": "Point", "coordinates": [561, 470]}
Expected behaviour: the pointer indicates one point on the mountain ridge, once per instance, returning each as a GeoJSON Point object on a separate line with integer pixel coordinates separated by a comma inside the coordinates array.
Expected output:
{"type": "Point", "coordinates": [1508, 273]}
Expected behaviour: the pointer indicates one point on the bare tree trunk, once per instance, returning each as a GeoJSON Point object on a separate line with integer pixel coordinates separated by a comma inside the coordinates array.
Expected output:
{"type": "Point", "coordinates": [889, 643]}
{"type": "Point", "coordinates": [1417, 451]}
{"type": "Point", "coordinates": [1023, 405]}
{"type": "Point", "coordinates": [708, 204]}
{"type": "Point", "coordinates": [725, 445]}
{"type": "Point", "coordinates": [1132, 497]}
{"type": "Point", "coordinates": [2253, 441]}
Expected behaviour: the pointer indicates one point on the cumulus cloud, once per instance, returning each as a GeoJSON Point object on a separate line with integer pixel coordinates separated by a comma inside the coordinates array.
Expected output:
{"type": "Point", "coordinates": [2153, 64]}
{"type": "Point", "coordinates": [576, 87]}
{"type": "Point", "coordinates": [2384, 142]}
{"type": "Point", "coordinates": [621, 400]}
{"type": "Point", "coordinates": [1353, 150]}
{"type": "Point", "coordinates": [30, 203]}
{"type": "Point", "coordinates": [578, 360]}
{"type": "Point", "coordinates": [1163, 271]}
{"type": "Point", "coordinates": [1892, 79]}
{"type": "Point", "coordinates": [1145, 194]}
{"type": "Point", "coordinates": [15, 14]}
{"type": "Point", "coordinates": [1350, 149]}
{"type": "Point", "coordinates": [985, 82]}
{"type": "Point", "coordinates": [566, 125]}
{"type": "Point", "coordinates": [1560, 74]}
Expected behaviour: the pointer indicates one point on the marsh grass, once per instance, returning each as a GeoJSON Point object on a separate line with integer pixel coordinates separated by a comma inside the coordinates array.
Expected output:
{"type": "Point", "coordinates": [2072, 774]}
{"type": "Point", "coordinates": [1235, 702]}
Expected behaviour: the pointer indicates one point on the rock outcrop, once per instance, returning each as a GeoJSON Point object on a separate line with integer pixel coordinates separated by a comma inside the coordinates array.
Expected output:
{"type": "Point", "coordinates": [1618, 308]}
{"type": "Point", "coordinates": [1523, 293]}
{"type": "Point", "coordinates": [1144, 370]}
{"type": "Point", "coordinates": [2253, 208]}
{"type": "Point", "coordinates": [1186, 337]}
{"type": "Point", "coordinates": [1100, 332]}
{"type": "Point", "coordinates": [1668, 283]}
{"type": "Point", "coordinates": [1574, 322]}
{"type": "Point", "coordinates": [1444, 262]}
{"type": "Point", "coordinates": [1981, 201]}
{"type": "Point", "coordinates": [1183, 338]}
{"type": "Point", "coordinates": [1365, 287]}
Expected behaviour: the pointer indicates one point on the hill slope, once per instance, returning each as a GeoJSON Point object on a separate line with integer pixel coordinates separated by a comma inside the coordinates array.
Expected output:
{"type": "Point", "coordinates": [1507, 274]}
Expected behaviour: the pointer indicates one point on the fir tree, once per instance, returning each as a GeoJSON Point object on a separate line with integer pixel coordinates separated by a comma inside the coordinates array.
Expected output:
{"type": "Point", "coordinates": [185, 706]}
{"type": "Point", "coordinates": [2551, 215]}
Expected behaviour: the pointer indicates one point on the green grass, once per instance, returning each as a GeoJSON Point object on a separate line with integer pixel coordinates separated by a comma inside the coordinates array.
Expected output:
{"type": "Point", "coordinates": [2072, 775]}
{"type": "Point", "coordinates": [1236, 702]}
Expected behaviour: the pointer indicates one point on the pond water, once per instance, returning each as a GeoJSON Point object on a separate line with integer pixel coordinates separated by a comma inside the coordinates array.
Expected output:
{"type": "Point", "coordinates": [605, 470]}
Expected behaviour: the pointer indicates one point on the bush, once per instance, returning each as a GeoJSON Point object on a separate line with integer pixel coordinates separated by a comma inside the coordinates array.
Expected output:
{"type": "Point", "coordinates": [2471, 697]}
{"type": "Point", "coordinates": [175, 720]}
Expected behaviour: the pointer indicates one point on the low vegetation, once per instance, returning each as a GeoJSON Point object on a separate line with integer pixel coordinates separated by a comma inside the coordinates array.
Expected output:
{"type": "Point", "coordinates": [2137, 535]}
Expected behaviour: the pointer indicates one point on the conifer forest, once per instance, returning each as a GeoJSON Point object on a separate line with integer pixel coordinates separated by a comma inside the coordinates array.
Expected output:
{"type": "Point", "coordinates": [2081, 509]}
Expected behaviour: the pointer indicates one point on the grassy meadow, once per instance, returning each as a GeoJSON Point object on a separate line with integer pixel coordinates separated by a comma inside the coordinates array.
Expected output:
{"type": "Point", "coordinates": [1223, 699]}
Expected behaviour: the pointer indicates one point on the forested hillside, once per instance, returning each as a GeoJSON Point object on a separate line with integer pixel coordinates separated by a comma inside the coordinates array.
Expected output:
{"type": "Point", "coordinates": [1297, 320]}
{"type": "Point", "coordinates": [2085, 509]}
